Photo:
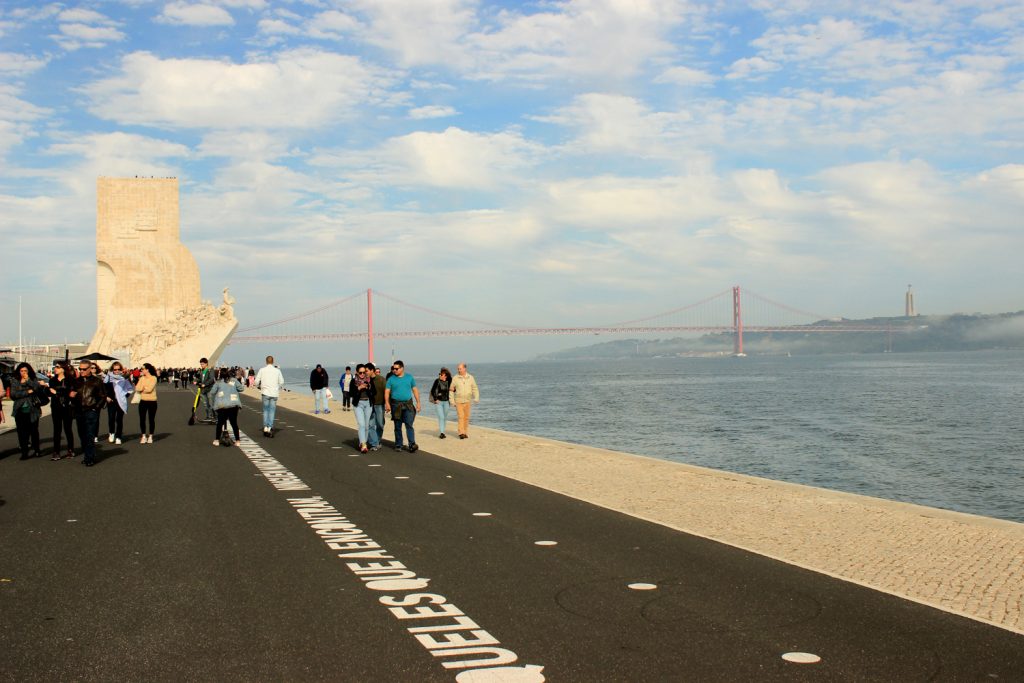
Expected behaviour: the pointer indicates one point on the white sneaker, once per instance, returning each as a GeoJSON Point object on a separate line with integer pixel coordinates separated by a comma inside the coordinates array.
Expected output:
{"type": "Point", "coordinates": [96, 439]}
{"type": "Point", "coordinates": [110, 439]}
{"type": "Point", "coordinates": [216, 442]}
{"type": "Point", "coordinates": [117, 441]}
{"type": "Point", "coordinates": [143, 439]}
{"type": "Point", "coordinates": [149, 439]}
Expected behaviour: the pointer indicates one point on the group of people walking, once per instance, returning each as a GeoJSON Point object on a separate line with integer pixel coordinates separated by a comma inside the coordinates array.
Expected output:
{"type": "Point", "coordinates": [78, 397]}
{"type": "Point", "coordinates": [371, 396]}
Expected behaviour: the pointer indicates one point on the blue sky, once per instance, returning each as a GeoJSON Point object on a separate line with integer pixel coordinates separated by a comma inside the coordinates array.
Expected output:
{"type": "Point", "coordinates": [548, 163]}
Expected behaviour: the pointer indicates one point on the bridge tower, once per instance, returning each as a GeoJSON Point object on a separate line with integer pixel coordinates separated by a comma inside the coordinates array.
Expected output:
{"type": "Point", "coordinates": [369, 325]}
{"type": "Point", "coordinates": [737, 323]}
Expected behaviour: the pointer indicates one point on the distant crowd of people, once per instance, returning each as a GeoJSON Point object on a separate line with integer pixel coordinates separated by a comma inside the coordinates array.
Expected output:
{"type": "Point", "coordinates": [78, 394]}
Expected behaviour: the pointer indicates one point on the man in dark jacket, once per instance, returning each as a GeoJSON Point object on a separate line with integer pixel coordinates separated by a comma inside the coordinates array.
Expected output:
{"type": "Point", "coordinates": [206, 379]}
{"type": "Point", "coordinates": [318, 383]}
{"type": "Point", "coordinates": [88, 397]}
{"type": "Point", "coordinates": [378, 404]}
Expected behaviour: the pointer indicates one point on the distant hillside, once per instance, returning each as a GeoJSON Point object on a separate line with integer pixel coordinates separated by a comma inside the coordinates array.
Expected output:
{"type": "Point", "coordinates": [958, 332]}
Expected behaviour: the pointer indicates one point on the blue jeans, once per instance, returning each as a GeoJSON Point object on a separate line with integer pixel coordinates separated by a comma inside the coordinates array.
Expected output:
{"type": "Point", "coordinates": [88, 428]}
{"type": "Point", "coordinates": [378, 423]}
{"type": "Point", "coordinates": [269, 410]}
{"type": "Point", "coordinates": [408, 417]}
{"type": "Point", "coordinates": [320, 400]}
{"type": "Point", "coordinates": [364, 413]}
{"type": "Point", "coordinates": [442, 415]}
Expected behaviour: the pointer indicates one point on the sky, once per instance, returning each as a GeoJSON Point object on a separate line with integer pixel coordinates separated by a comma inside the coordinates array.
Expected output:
{"type": "Point", "coordinates": [536, 163]}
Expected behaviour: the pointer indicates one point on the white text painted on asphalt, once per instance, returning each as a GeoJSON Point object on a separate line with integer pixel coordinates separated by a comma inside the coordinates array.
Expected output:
{"type": "Point", "coordinates": [275, 472]}
{"type": "Point", "coordinates": [449, 634]}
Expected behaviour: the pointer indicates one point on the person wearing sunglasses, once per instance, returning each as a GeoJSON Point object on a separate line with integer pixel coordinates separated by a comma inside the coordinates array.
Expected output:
{"type": "Point", "coordinates": [402, 400]}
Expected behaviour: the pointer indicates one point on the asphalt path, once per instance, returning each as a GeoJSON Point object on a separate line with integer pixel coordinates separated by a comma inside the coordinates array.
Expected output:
{"type": "Point", "coordinates": [183, 561]}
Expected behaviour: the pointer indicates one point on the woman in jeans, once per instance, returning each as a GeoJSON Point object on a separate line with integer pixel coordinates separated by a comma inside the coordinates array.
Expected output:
{"type": "Point", "coordinates": [361, 393]}
{"type": "Point", "coordinates": [439, 397]}
{"type": "Point", "coordinates": [61, 385]}
{"type": "Point", "coordinates": [226, 402]}
{"type": "Point", "coordinates": [147, 402]}
{"type": "Point", "coordinates": [26, 408]}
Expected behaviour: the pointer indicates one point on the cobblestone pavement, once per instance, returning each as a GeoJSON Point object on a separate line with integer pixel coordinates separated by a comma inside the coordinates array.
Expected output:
{"type": "Point", "coordinates": [965, 564]}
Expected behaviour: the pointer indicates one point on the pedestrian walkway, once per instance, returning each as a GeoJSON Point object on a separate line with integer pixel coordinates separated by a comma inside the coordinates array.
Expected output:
{"type": "Point", "coordinates": [298, 558]}
{"type": "Point", "coordinates": [965, 564]}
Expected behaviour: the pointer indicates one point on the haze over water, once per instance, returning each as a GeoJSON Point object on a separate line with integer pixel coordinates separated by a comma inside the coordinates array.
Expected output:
{"type": "Point", "coordinates": [938, 429]}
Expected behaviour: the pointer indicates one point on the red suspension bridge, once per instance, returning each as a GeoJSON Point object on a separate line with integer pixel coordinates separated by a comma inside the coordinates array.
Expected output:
{"type": "Point", "coordinates": [374, 315]}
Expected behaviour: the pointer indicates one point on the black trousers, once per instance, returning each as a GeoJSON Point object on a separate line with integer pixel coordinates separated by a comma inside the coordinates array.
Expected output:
{"type": "Point", "coordinates": [115, 419]}
{"type": "Point", "coordinates": [147, 408]}
{"type": "Point", "coordinates": [226, 415]}
{"type": "Point", "coordinates": [62, 420]}
{"type": "Point", "coordinates": [28, 430]}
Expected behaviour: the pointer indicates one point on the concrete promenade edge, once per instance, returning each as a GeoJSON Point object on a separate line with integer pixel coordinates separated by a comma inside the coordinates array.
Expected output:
{"type": "Point", "coordinates": [965, 564]}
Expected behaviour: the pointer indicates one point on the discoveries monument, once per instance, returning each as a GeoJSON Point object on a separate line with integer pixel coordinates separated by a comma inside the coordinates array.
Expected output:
{"type": "Point", "coordinates": [148, 305]}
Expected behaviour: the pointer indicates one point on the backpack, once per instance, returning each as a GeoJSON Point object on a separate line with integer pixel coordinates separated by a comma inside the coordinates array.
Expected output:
{"type": "Point", "coordinates": [42, 395]}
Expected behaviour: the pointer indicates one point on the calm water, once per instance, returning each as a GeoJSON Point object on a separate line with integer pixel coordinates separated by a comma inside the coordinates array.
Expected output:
{"type": "Point", "coordinates": [945, 430]}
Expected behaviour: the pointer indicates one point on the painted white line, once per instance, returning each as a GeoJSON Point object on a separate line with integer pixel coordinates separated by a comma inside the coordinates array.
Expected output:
{"type": "Point", "coordinates": [436, 493]}
{"type": "Point", "coordinates": [336, 448]}
{"type": "Point", "coordinates": [401, 477]}
{"type": "Point", "coordinates": [312, 436]}
{"type": "Point", "coordinates": [374, 464]}
{"type": "Point", "coordinates": [275, 472]}
{"type": "Point", "coordinates": [321, 440]}
{"type": "Point", "coordinates": [447, 476]}
{"type": "Point", "coordinates": [72, 520]}
{"type": "Point", "coordinates": [545, 542]}
{"type": "Point", "coordinates": [643, 586]}
{"type": "Point", "coordinates": [481, 514]}
{"type": "Point", "coordinates": [801, 658]}
{"type": "Point", "coordinates": [353, 455]}
{"type": "Point", "coordinates": [300, 430]}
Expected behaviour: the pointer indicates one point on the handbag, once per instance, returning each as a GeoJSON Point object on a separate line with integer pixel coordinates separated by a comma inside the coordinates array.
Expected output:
{"type": "Point", "coordinates": [136, 397]}
{"type": "Point", "coordinates": [329, 395]}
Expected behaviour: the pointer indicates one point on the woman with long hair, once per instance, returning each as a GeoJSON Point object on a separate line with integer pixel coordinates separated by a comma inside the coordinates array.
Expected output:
{"type": "Point", "coordinates": [147, 402]}
{"type": "Point", "coordinates": [61, 385]}
{"type": "Point", "coordinates": [118, 387]}
{"type": "Point", "coordinates": [439, 397]}
{"type": "Point", "coordinates": [24, 394]}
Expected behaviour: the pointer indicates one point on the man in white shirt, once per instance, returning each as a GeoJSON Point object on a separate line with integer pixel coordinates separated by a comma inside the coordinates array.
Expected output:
{"type": "Point", "coordinates": [269, 381]}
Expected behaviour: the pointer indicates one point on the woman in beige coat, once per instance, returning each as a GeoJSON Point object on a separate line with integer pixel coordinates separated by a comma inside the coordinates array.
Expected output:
{"type": "Point", "coordinates": [463, 393]}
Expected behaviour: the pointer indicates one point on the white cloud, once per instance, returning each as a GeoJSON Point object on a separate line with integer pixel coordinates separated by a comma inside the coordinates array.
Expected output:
{"type": "Point", "coordinates": [608, 123]}
{"type": "Point", "coordinates": [751, 67]}
{"type": "Point", "coordinates": [302, 88]}
{"type": "Point", "coordinates": [454, 158]}
{"type": "Point", "coordinates": [278, 27]}
{"type": "Point", "coordinates": [685, 76]}
{"type": "Point", "coordinates": [20, 65]}
{"type": "Point", "coordinates": [432, 112]}
{"type": "Point", "coordinates": [16, 118]}
{"type": "Point", "coordinates": [332, 24]}
{"type": "Point", "coordinates": [418, 31]}
{"type": "Point", "coordinates": [81, 27]}
{"type": "Point", "coordinates": [83, 15]}
{"type": "Point", "coordinates": [185, 14]}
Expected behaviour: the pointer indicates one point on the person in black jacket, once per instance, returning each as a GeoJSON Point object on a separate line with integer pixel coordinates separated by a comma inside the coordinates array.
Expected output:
{"type": "Point", "coordinates": [24, 391]}
{"type": "Point", "coordinates": [61, 411]}
{"type": "Point", "coordinates": [318, 383]}
{"type": "Point", "coordinates": [439, 397]}
{"type": "Point", "coordinates": [362, 393]}
{"type": "Point", "coordinates": [88, 397]}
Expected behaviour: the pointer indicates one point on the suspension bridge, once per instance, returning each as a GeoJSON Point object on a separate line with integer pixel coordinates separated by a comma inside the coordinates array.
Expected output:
{"type": "Point", "coordinates": [374, 315]}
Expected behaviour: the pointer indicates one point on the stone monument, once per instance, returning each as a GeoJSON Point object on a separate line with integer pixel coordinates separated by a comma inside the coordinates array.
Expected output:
{"type": "Point", "coordinates": [148, 305]}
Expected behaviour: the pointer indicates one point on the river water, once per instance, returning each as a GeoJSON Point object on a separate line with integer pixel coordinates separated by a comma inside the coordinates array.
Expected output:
{"type": "Point", "coordinates": [939, 429]}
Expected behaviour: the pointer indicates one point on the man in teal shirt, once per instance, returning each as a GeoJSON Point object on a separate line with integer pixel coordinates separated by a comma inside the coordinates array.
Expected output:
{"type": "Point", "coordinates": [402, 400]}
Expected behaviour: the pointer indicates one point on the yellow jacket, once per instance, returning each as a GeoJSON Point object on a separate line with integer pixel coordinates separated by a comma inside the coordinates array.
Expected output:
{"type": "Point", "coordinates": [463, 389]}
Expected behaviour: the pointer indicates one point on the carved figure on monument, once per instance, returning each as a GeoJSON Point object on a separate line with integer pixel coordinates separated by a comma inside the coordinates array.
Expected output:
{"type": "Point", "coordinates": [147, 283]}
{"type": "Point", "coordinates": [226, 309]}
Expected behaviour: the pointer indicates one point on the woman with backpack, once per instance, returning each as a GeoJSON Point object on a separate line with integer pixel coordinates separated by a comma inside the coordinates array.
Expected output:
{"type": "Point", "coordinates": [226, 402]}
